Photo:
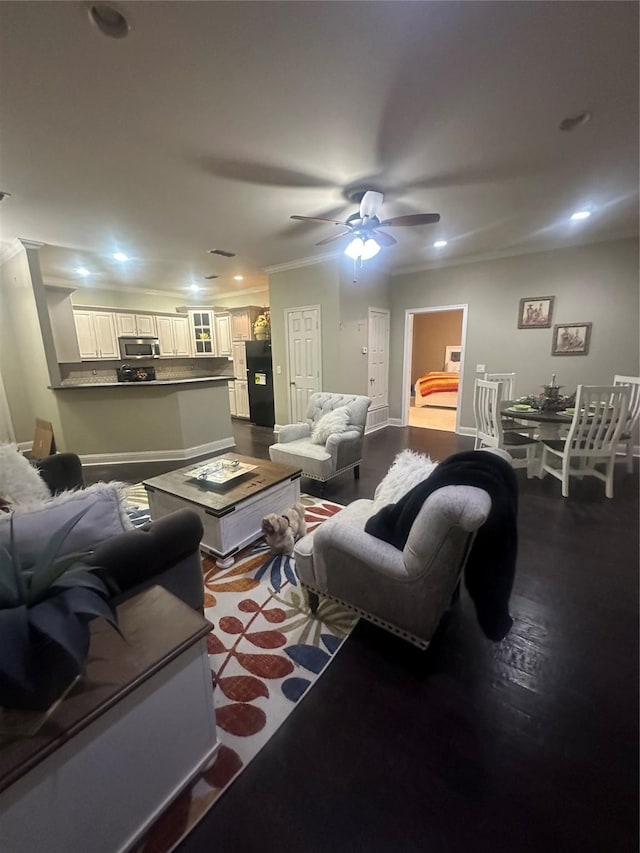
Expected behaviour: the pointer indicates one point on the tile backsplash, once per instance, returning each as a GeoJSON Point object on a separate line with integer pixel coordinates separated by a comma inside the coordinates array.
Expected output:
{"type": "Point", "coordinates": [97, 373]}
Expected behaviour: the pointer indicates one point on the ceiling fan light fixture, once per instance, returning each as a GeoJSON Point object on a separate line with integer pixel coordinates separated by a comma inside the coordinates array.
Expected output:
{"type": "Point", "coordinates": [355, 248]}
{"type": "Point", "coordinates": [370, 250]}
{"type": "Point", "coordinates": [363, 249]}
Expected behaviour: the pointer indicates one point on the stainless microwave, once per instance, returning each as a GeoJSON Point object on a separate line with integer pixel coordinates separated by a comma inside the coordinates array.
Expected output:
{"type": "Point", "coordinates": [139, 347]}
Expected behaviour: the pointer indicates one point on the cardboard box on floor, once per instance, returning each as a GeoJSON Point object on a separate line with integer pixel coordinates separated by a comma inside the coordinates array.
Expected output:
{"type": "Point", "coordinates": [44, 444]}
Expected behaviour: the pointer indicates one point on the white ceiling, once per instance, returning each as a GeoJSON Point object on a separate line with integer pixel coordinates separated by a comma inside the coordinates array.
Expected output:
{"type": "Point", "coordinates": [212, 122]}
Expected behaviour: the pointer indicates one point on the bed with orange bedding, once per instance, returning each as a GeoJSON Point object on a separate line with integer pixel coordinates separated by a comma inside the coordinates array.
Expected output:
{"type": "Point", "coordinates": [437, 389]}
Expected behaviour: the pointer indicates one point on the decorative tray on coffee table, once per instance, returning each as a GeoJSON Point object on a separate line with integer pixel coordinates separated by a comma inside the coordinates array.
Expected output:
{"type": "Point", "coordinates": [221, 472]}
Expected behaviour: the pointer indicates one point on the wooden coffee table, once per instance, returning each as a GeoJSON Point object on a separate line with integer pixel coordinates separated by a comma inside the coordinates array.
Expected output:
{"type": "Point", "coordinates": [231, 513]}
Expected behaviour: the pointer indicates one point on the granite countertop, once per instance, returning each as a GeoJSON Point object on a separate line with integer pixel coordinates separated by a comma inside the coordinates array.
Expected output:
{"type": "Point", "coordinates": [153, 382]}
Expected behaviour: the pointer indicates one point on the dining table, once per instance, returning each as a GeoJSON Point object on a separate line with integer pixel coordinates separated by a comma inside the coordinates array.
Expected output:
{"type": "Point", "coordinates": [550, 421]}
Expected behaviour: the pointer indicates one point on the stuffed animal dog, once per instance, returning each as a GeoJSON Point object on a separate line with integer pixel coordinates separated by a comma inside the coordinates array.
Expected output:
{"type": "Point", "coordinates": [282, 531]}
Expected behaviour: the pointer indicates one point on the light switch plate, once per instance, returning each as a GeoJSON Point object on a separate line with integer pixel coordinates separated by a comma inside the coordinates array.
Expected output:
{"type": "Point", "coordinates": [278, 369]}
{"type": "Point", "coordinates": [480, 368]}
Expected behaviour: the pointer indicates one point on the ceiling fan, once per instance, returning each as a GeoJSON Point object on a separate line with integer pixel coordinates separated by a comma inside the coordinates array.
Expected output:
{"type": "Point", "coordinates": [363, 226]}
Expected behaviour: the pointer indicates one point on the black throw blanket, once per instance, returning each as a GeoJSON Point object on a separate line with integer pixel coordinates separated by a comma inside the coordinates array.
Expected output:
{"type": "Point", "coordinates": [491, 566]}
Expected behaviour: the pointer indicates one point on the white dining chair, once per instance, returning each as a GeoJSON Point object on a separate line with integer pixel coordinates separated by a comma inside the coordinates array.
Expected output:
{"type": "Point", "coordinates": [490, 432]}
{"type": "Point", "coordinates": [509, 422]}
{"type": "Point", "coordinates": [599, 417]}
{"type": "Point", "coordinates": [508, 383]}
{"type": "Point", "coordinates": [627, 435]}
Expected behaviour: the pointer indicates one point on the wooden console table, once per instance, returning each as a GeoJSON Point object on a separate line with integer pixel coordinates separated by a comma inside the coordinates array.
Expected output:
{"type": "Point", "coordinates": [115, 752]}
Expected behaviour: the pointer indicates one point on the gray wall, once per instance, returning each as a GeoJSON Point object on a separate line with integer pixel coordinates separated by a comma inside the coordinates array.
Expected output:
{"type": "Point", "coordinates": [597, 283]}
{"type": "Point", "coordinates": [22, 348]}
{"type": "Point", "coordinates": [344, 308]}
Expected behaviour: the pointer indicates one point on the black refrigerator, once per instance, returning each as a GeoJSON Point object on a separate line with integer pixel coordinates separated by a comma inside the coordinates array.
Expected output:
{"type": "Point", "coordinates": [260, 383]}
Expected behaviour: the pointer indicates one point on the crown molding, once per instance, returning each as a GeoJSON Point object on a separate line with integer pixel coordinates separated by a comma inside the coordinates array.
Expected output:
{"type": "Point", "coordinates": [301, 262]}
{"type": "Point", "coordinates": [502, 253]}
{"type": "Point", "coordinates": [31, 244]}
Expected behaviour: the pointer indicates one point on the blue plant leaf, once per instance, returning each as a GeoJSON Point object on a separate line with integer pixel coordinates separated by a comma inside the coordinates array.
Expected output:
{"type": "Point", "coordinates": [332, 643]}
{"type": "Point", "coordinates": [276, 578]}
{"type": "Point", "coordinates": [264, 568]}
{"type": "Point", "coordinates": [289, 570]}
{"type": "Point", "coordinates": [294, 688]}
{"type": "Point", "coordinates": [310, 657]}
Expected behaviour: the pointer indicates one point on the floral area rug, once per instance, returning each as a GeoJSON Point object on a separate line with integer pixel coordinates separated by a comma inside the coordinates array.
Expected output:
{"type": "Point", "coordinates": [266, 652]}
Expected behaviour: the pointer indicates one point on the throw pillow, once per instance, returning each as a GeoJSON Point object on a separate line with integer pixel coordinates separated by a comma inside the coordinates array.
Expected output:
{"type": "Point", "coordinates": [35, 525]}
{"type": "Point", "coordinates": [408, 469]}
{"type": "Point", "coordinates": [20, 482]}
{"type": "Point", "coordinates": [334, 421]}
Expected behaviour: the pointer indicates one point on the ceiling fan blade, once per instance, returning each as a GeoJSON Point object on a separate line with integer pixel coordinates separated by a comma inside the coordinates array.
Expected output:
{"type": "Point", "coordinates": [370, 204]}
{"type": "Point", "coordinates": [384, 239]}
{"type": "Point", "coordinates": [334, 237]}
{"type": "Point", "coordinates": [318, 219]}
{"type": "Point", "coordinates": [413, 219]}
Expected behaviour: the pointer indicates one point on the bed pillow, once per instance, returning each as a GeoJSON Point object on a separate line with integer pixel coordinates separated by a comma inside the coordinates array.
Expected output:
{"type": "Point", "coordinates": [335, 421]}
{"type": "Point", "coordinates": [20, 482]}
{"type": "Point", "coordinates": [408, 469]}
{"type": "Point", "coordinates": [104, 517]}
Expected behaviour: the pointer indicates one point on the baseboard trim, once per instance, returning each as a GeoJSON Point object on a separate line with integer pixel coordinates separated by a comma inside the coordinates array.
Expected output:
{"type": "Point", "coordinates": [395, 422]}
{"type": "Point", "coordinates": [376, 427]}
{"type": "Point", "coordinates": [157, 455]}
{"type": "Point", "coordinates": [466, 431]}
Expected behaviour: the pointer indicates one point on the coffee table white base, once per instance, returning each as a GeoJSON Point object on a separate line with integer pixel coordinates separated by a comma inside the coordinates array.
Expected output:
{"type": "Point", "coordinates": [241, 524]}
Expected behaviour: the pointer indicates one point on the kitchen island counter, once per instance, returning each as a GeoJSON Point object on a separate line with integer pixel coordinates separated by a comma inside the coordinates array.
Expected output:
{"type": "Point", "coordinates": [145, 421]}
{"type": "Point", "coordinates": [153, 382]}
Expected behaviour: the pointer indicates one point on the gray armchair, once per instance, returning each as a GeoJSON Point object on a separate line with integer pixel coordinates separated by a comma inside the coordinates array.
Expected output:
{"type": "Point", "coordinates": [405, 591]}
{"type": "Point", "coordinates": [341, 452]}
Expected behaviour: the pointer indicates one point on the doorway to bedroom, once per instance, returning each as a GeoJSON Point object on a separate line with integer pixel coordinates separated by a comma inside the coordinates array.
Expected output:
{"type": "Point", "coordinates": [434, 354]}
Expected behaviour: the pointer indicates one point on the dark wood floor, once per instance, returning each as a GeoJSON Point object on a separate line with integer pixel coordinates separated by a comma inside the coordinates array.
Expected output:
{"type": "Point", "coordinates": [526, 745]}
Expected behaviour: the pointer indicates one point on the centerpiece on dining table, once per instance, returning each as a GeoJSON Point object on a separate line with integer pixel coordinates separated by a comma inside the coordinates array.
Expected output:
{"type": "Point", "coordinates": [550, 400]}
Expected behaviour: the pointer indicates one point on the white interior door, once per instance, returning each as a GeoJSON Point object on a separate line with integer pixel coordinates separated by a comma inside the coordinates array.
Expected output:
{"type": "Point", "coordinates": [378, 347]}
{"type": "Point", "coordinates": [304, 337]}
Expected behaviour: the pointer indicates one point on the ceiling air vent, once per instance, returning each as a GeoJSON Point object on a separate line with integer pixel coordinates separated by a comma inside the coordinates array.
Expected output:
{"type": "Point", "coordinates": [222, 253]}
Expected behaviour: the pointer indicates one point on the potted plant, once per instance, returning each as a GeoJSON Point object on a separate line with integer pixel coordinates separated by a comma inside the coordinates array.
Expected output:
{"type": "Point", "coordinates": [46, 604]}
{"type": "Point", "coordinates": [262, 327]}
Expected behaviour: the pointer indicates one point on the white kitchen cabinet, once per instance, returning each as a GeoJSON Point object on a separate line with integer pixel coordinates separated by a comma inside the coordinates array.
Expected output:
{"type": "Point", "coordinates": [97, 338]}
{"type": "Point", "coordinates": [232, 398]}
{"type": "Point", "coordinates": [202, 332]}
{"type": "Point", "coordinates": [239, 355]}
{"type": "Point", "coordinates": [136, 324]}
{"type": "Point", "coordinates": [174, 336]}
{"type": "Point", "coordinates": [223, 333]}
{"type": "Point", "coordinates": [242, 398]}
{"type": "Point", "coordinates": [242, 320]}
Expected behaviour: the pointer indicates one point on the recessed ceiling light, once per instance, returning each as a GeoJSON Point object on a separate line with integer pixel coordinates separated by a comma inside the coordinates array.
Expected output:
{"type": "Point", "coordinates": [440, 243]}
{"type": "Point", "coordinates": [580, 214]}
{"type": "Point", "coordinates": [120, 256]}
{"type": "Point", "coordinates": [83, 271]}
{"type": "Point", "coordinates": [194, 287]}
{"type": "Point", "coordinates": [109, 20]}
{"type": "Point", "coordinates": [238, 278]}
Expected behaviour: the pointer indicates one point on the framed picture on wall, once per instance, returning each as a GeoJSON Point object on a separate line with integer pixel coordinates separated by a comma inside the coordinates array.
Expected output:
{"type": "Point", "coordinates": [535, 312]}
{"type": "Point", "coordinates": [571, 339]}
